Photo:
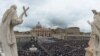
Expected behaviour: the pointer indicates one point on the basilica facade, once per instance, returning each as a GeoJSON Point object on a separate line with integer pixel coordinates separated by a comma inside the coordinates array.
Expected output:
{"type": "Point", "coordinates": [40, 31]}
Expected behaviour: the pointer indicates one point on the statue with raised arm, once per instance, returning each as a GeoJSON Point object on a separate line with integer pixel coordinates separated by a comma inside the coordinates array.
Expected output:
{"type": "Point", "coordinates": [7, 37]}
{"type": "Point", "coordinates": [94, 42]}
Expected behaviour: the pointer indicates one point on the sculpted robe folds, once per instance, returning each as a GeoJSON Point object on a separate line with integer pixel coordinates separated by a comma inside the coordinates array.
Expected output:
{"type": "Point", "coordinates": [94, 42]}
{"type": "Point", "coordinates": [7, 37]}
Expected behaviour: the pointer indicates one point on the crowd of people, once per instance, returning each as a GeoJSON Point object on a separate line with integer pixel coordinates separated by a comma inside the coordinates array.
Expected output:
{"type": "Point", "coordinates": [57, 48]}
{"type": "Point", "coordinates": [67, 48]}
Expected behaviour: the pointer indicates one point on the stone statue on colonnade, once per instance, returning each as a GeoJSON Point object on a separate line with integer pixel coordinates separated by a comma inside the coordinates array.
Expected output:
{"type": "Point", "coordinates": [7, 37]}
{"type": "Point", "coordinates": [94, 43]}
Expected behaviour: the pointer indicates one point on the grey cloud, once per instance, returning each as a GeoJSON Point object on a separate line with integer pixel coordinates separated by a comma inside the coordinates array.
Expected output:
{"type": "Point", "coordinates": [54, 19]}
{"type": "Point", "coordinates": [58, 23]}
{"type": "Point", "coordinates": [34, 2]}
{"type": "Point", "coordinates": [59, 13]}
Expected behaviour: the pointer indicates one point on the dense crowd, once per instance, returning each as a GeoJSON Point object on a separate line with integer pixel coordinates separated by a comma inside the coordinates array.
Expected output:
{"type": "Point", "coordinates": [57, 48]}
{"type": "Point", "coordinates": [67, 48]}
{"type": "Point", "coordinates": [24, 51]}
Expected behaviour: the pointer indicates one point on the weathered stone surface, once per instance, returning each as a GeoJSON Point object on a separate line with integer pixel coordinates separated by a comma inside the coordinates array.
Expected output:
{"type": "Point", "coordinates": [94, 43]}
{"type": "Point", "coordinates": [7, 37]}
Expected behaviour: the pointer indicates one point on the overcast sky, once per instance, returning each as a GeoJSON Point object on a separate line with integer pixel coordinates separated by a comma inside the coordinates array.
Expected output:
{"type": "Point", "coordinates": [54, 13]}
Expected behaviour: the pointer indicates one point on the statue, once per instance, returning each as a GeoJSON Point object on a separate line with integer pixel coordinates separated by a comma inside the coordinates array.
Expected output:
{"type": "Point", "coordinates": [1, 53]}
{"type": "Point", "coordinates": [90, 48]}
{"type": "Point", "coordinates": [7, 38]}
{"type": "Point", "coordinates": [94, 42]}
